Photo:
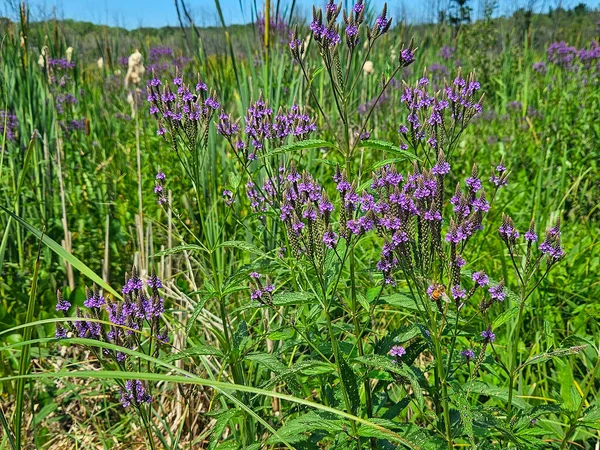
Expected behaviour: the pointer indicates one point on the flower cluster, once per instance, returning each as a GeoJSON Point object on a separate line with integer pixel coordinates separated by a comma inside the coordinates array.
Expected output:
{"type": "Point", "coordinates": [447, 52]}
{"type": "Point", "coordinates": [163, 61]}
{"type": "Point", "coordinates": [540, 68]}
{"type": "Point", "coordinates": [181, 109]}
{"type": "Point", "coordinates": [326, 31]}
{"type": "Point", "coordinates": [261, 125]}
{"type": "Point", "coordinates": [409, 216]}
{"type": "Point", "coordinates": [63, 100]}
{"type": "Point", "coordinates": [550, 247]}
{"type": "Point", "coordinates": [278, 28]}
{"type": "Point", "coordinates": [570, 58]}
{"type": "Point", "coordinates": [439, 118]}
{"type": "Point", "coordinates": [500, 175]}
{"type": "Point", "coordinates": [71, 126]}
{"type": "Point", "coordinates": [9, 125]}
{"type": "Point", "coordinates": [397, 352]}
{"type": "Point", "coordinates": [61, 64]}
{"type": "Point", "coordinates": [159, 188]}
{"type": "Point", "coordinates": [134, 394]}
{"type": "Point", "coordinates": [139, 308]}
{"type": "Point", "coordinates": [306, 212]}
{"type": "Point", "coordinates": [261, 292]}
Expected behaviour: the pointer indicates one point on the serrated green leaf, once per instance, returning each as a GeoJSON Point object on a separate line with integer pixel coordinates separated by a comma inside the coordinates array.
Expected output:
{"type": "Point", "coordinates": [220, 426]}
{"type": "Point", "coordinates": [543, 357]}
{"type": "Point", "coordinates": [482, 388]}
{"type": "Point", "coordinates": [504, 317]}
{"type": "Point", "coordinates": [272, 363]}
{"type": "Point", "coordinates": [234, 180]}
{"type": "Point", "coordinates": [302, 145]}
{"type": "Point", "coordinates": [179, 249]}
{"type": "Point", "coordinates": [197, 311]}
{"type": "Point", "coordinates": [459, 399]}
{"type": "Point", "coordinates": [350, 385]}
{"type": "Point", "coordinates": [284, 299]}
{"type": "Point", "coordinates": [400, 301]}
{"type": "Point", "coordinates": [591, 415]}
{"type": "Point", "coordinates": [199, 350]}
{"type": "Point", "coordinates": [386, 146]}
{"type": "Point", "coordinates": [297, 429]}
{"type": "Point", "coordinates": [309, 367]}
{"type": "Point", "coordinates": [242, 245]}
{"type": "Point", "coordinates": [383, 362]}
{"type": "Point", "coordinates": [240, 335]}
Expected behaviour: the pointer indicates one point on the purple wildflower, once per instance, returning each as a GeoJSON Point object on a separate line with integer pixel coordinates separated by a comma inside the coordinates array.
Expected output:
{"type": "Point", "coordinates": [497, 292]}
{"type": "Point", "coordinates": [134, 393]}
{"type": "Point", "coordinates": [488, 336]}
{"type": "Point", "coordinates": [397, 351]}
{"type": "Point", "coordinates": [468, 354]}
{"type": "Point", "coordinates": [458, 292]}
{"type": "Point", "coordinates": [480, 278]}
{"type": "Point", "coordinates": [61, 333]}
{"type": "Point", "coordinates": [330, 239]}
{"type": "Point", "coordinates": [62, 305]}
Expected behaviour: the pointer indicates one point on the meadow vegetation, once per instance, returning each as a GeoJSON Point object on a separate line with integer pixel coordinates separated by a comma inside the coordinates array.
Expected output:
{"type": "Point", "coordinates": [342, 232]}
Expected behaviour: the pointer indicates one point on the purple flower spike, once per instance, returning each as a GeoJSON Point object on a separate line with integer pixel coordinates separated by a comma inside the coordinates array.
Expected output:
{"type": "Point", "coordinates": [458, 292]}
{"type": "Point", "coordinates": [530, 236]}
{"type": "Point", "coordinates": [61, 333]}
{"type": "Point", "coordinates": [480, 278]}
{"type": "Point", "coordinates": [397, 351]}
{"type": "Point", "coordinates": [330, 239]}
{"type": "Point", "coordinates": [497, 292]}
{"type": "Point", "coordinates": [468, 354]}
{"type": "Point", "coordinates": [488, 336]}
{"type": "Point", "coordinates": [134, 394]}
{"type": "Point", "coordinates": [62, 305]}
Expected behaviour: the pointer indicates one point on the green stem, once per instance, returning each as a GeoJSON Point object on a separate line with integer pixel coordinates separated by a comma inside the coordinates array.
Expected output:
{"type": "Point", "coordinates": [513, 358]}
{"type": "Point", "coordinates": [442, 386]}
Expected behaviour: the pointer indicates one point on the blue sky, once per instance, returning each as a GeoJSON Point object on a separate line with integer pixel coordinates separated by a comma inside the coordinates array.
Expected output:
{"type": "Point", "coordinates": [156, 13]}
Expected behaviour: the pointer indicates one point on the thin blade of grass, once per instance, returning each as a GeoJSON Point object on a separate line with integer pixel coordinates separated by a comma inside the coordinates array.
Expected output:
{"type": "Point", "coordinates": [61, 252]}
{"type": "Point", "coordinates": [24, 361]}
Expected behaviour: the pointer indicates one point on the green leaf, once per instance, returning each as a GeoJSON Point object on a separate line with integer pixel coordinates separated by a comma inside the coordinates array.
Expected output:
{"type": "Point", "coordinates": [242, 245]}
{"type": "Point", "coordinates": [269, 360]}
{"type": "Point", "coordinates": [297, 429]}
{"type": "Point", "coordinates": [386, 146]}
{"type": "Point", "coordinates": [62, 253]}
{"type": "Point", "coordinates": [306, 367]}
{"type": "Point", "coordinates": [459, 398]}
{"type": "Point", "coordinates": [240, 335]}
{"type": "Point", "coordinates": [220, 425]}
{"type": "Point", "coordinates": [284, 299]}
{"type": "Point", "coordinates": [383, 362]}
{"type": "Point", "coordinates": [350, 385]}
{"type": "Point", "coordinates": [199, 350]}
{"type": "Point", "coordinates": [542, 357]}
{"type": "Point", "coordinates": [302, 145]}
{"type": "Point", "coordinates": [180, 249]}
{"type": "Point", "coordinates": [401, 301]}
{"type": "Point", "coordinates": [592, 415]}
{"type": "Point", "coordinates": [504, 317]}
{"type": "Point", "coordinates": [234, 180]}
{"type": "Point", "coordinates": [481, 388]}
